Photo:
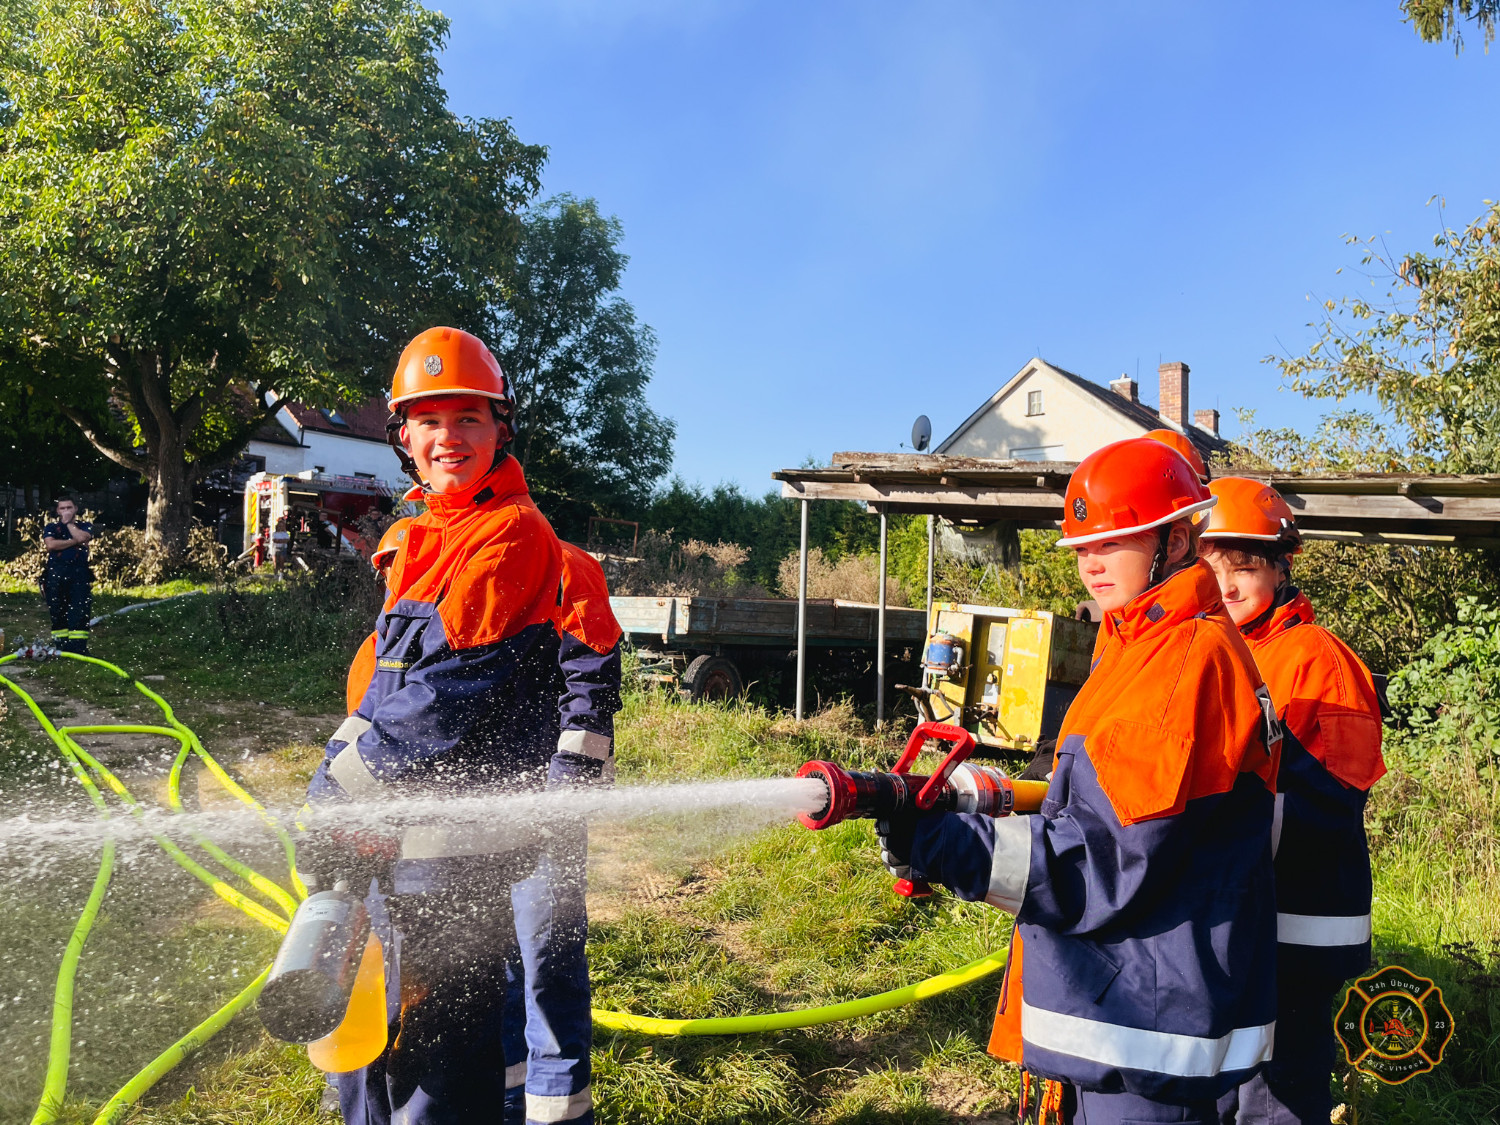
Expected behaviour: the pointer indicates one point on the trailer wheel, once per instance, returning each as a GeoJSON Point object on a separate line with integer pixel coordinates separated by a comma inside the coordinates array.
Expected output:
{"type": "Point", "coordinates": [712, 679]}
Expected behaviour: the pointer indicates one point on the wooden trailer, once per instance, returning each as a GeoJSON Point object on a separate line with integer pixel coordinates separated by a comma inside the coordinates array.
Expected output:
{"type": "Point", "coordinates": [714, 648]}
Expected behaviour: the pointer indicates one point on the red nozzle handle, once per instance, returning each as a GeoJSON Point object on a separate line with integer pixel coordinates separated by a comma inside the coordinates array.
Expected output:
{"type": "Point", "coordinates": [913, 888]}
{"type": "Point", "coordinates": [963, 746]}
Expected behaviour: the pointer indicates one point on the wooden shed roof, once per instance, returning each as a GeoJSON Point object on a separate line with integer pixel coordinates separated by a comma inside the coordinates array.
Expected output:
{"type": "Point", "coordinates": [1362, 507]}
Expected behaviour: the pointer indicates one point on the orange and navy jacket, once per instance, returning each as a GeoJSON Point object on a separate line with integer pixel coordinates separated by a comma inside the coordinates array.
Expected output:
{"type": "Point", "coordinates": [1143, 889]}
{"type": "Point", "coordinates": [465, 652]}
{"type": "Point", "coordinates": [588, 664]}
{"type": "Point", "coordinates": [1330, 757]}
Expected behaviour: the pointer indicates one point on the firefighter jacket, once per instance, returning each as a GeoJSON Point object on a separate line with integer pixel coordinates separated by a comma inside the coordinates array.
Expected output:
{"type": "Point", "coordinates": [462, 693]}
{"type": "Point", "coordinates": [1143, 888]}
{"type": "Point", "coordinates": [588, 663]}
{"type": "Point", "coordinates": [70, 562]}
{"type": "Point", "coordinates": [1330, 757]}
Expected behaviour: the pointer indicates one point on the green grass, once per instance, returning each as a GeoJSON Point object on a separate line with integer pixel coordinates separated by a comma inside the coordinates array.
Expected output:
{"type": "Point", "coordinates": [690, 919]}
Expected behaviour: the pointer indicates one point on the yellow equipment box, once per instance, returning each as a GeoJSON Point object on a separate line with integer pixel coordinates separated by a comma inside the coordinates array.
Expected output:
{"type": "Point", "coordinates": [1005, 675]}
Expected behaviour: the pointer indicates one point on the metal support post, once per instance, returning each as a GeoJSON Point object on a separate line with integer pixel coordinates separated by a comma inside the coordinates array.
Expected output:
{"type": "Point", "coordinates": [880, 636]}
{"type": "Point", "coordinates": [802, 617]}
{"type": "Point", "coordinates": [931, 553]}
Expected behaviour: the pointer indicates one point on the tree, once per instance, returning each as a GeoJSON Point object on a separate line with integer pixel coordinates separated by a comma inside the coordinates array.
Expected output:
{"type": "Point", "coordinates": [1430, 352]}
{"type": "Point", "coordinates": [1384, 600]}
{"type": "Point", "coordinates": [205, 204]}
{"type": "Point", "coordinates": [588, 440]}
{"type": "Point", "coordinates": [1436, 20]}
{"type": "Point", "coordinates": [41, 449]}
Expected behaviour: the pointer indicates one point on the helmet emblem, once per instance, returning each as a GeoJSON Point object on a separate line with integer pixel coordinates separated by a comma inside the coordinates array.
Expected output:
{"type": "Point", "coordinates": [1080, 509]}
{"type": "Point", "coordinates": [433, 365]}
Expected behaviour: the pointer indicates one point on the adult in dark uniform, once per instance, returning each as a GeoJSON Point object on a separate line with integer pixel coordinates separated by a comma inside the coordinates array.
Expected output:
{"type": "Point", "coordinates": [67, 582]}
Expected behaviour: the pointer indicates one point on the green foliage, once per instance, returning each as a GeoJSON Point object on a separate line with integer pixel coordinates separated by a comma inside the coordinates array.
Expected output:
{"type": "Point", "coordinates": [587, 439]}
{"type": "Point", "coordinates": [38, 446]}
{"type": "Point", "coordinates": [204, 196]}
{"type": "Point", "coordinates": [1448, 696]}
{"type": "Point", "coordinates": [1436, 20]}
{"type": "Point", "coordinates": [1385, 601]}
{"type": "Point", "coordinates": [1429, 353]}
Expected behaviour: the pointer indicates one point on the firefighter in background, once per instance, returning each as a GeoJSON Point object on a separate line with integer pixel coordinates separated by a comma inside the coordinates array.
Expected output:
{"type": "Point", "coordinates": [67, 582]}
{"type": "Point", "coordinates": [390, 542]}
{"type": "Point", "coordinates": [362, 667]}
{"type": "Point", "coordinates": [1141, 979]}
{"type": "Point", "coordinates": [462, 698]}
{"type": "Point", "coordinates": [1174, 439]}
{"type": "Point", "coordinates": [548, 1028]}
{"type": "Point", "coordinates": [1330, 757]}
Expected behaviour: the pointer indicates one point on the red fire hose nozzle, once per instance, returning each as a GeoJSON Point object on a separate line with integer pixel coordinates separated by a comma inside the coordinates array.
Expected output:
{"type": "Point", "coordinates": [956, 786]}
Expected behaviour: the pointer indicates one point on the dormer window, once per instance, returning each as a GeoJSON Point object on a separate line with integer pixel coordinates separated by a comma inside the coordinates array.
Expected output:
{"type": "Point", "coordinates": [333, 416]}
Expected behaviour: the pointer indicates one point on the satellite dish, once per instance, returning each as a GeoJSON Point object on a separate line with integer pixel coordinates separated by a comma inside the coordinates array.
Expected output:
{"type": "Point", "coordinates": [921, 433]}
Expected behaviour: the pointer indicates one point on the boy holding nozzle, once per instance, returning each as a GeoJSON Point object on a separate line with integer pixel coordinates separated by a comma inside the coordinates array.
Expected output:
{"type": "Point", "coordinates": [1141, 982]}
{"type": "Point", "coordinates": [1330, 758]}
{"type": "Point", "coordinates": [462, 700]}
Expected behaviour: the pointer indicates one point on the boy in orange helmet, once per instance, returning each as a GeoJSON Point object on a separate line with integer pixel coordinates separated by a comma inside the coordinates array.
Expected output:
{"type": "Point", "coordinates": [462, 696]}
{"type": "Point", "coordinates": [1142, 891]}
{"type": "Point", "coordinates": [1330, 758]}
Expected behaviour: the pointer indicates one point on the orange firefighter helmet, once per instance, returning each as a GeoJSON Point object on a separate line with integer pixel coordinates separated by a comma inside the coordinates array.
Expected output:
{"type": "Point", "coordinates": [1127, 487]}
{"type": "Point", "coordinates": [1248, 509]}
{"type": "Point", "coordinates": [450, 361]}
{"type": "Point", "coordinates": [390, 543]}
{"type": "Point", "coordinates": [1184, 445]}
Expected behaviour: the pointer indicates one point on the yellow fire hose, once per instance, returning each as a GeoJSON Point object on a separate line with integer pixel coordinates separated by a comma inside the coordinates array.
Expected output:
{"type": "Point", "coordinates": [190, 746]}
{"type": "Point", "coordinates": [805, 1017]}
{"type": "Point", "coordinates": [77, 758]}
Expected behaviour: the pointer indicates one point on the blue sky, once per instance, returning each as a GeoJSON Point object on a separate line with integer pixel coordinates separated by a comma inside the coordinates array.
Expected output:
{"type": "Point", "coordinates": [844, 213]}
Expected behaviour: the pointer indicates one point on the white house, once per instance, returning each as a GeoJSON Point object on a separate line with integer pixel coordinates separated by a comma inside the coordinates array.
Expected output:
{"type": "Point", "coordinates": [1044, 413]}
{"type": "Point", "coordinates": [344, 442]}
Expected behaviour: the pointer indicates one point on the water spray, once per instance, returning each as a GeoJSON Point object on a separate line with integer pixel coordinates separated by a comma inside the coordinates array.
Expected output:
{"type": "Point", "coordinates": [957, 786]}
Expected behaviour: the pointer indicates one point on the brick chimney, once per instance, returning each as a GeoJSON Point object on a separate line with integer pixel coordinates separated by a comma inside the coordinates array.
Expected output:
{"type": "Point", "coordinates": [1207, 420]}
{"type": "Point", "coordinates": [1174, 393]}
{"type": "Point", "coordinates": [1126, 387]}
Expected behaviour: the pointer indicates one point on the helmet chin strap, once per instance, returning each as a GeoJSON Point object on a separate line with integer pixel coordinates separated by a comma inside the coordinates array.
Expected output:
{"type": "Point", "coordinates": [393, 426]}
{"type": "Point", "coordinates": [1159, 560]}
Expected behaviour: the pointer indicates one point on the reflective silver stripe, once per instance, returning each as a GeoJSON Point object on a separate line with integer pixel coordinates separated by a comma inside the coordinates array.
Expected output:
{"type": "Point", "coordinates": [1010, 867]}
{"type": "Point", "coordinates": [350, 729]}
{"type": "Point", "coordinates": [515, 1075]}
{"type": "Point", "coordinates": [1276, 824]}
{"type": "Point", "coordinates": [1322, 929]}
{"type": "Point", "coordinates": [1135, 1048]}
{"type": "Point", "coordinates": [434, 841]}
{"type": "Point", "coordinates": [587, 743]}
{"type": "Point", "coordinates": [350, 771]}
{"type": "Point", "coordinates": [559, 1107]}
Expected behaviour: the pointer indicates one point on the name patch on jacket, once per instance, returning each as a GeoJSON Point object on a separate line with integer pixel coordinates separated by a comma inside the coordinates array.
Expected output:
{"type": "Point", "coordinates": [386, 664]}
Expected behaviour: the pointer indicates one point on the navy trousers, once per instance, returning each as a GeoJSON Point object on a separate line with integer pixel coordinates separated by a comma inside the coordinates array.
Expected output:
{"type": "Point", "coordinates": [447, 949]}
{"type": "Point", "coordinates": [70, 603]}
{"type": "Point", "coordinates": [1086, 1107]}
{"type": "Point", "coordinates": [548, 1029]}
{"type": "Point", "coordinates": [1295, 1088]}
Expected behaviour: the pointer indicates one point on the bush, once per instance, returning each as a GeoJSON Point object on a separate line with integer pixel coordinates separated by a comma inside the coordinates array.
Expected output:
{"type": "Point", "coordinates": [122, 558]}
{"type": "Point", "coordinates": [328, 610]}
{"type": "Point", "coordinates": [854, 578]}
{"type": "Point", "coordinates": [1448, 698]}
{"type": "Point", "coordinates": [663, 568]}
